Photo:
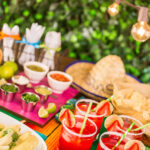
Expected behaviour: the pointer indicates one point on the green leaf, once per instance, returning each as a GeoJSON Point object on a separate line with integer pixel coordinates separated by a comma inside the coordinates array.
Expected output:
{"type": "Point", "coordinates": [38, 16]}
{"type": "Point", "coordinates": [26, 13]}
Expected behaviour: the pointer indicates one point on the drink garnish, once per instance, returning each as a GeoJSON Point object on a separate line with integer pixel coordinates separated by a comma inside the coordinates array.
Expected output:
{"type": "Point", "coordinates": [104, 107]}
{"type": "Point", "coordinates": [113, 122]}
{"type": "Point", "coordinates": [69, 117]}
{"type": "Point", "coordinates": [99, 105]}
{"type": "Point", "coordinates": [124, 135]}
{"type": "Point", "coordinates": [86, 117]}
{"type": "Point", "coordinates": [142, 127]}
{"type": "Point", "coordinates": [134, 145]}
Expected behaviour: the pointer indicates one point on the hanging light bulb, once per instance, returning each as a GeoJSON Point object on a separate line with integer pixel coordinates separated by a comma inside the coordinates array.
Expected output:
{"type": "Point", "coordinates": [141, 30]}
{"type": "Point", "coordinates": [113, 9]}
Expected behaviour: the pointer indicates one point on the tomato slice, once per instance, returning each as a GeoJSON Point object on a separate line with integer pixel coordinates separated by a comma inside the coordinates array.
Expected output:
{"type": "Point", "coordinates": [114, 126]}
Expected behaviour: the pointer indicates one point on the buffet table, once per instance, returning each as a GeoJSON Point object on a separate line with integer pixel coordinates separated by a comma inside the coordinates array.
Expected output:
{"type": "Point", "coordinates": [51, 131]}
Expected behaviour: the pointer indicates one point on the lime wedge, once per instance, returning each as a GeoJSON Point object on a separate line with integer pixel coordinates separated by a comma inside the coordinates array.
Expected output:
{"type": "Point", "coordinates": [51, 108]}
{"type": "Point", "coordinates": [43, 113]}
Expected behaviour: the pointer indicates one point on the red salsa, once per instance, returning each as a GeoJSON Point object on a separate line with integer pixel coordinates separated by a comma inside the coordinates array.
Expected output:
{"type": "Point", "coordinates": [59, 77]}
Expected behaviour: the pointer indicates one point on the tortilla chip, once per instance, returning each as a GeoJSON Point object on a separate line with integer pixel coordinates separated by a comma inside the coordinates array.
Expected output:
{"type": "Point", "coordinates": [133, 100]}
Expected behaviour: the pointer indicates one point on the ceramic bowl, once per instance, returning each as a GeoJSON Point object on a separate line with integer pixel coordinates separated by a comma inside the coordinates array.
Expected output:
{"type": "Point", "coordinates": [21, 83]}
{"type": "Point", "coordinates": [35, 76]}
{"type": "Point", "coordinates": [58, 86]}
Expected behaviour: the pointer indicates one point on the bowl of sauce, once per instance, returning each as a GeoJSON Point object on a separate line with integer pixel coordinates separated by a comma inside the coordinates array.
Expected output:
{"type": "Point", "coordinates": [43, 91]}
{"type": "Point", "coordinates": [35, 71]}
{"type": "Point", "coordinates": [59, 81]}
{"type": "Point", "coordinates": [59, 77]}
{"type": "Point", "coordinates": [20, 81]}
{"type": "Point", "coordinates": [35, 68]}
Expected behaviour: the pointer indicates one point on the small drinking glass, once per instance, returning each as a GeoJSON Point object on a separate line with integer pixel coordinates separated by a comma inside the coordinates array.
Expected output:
{"type": "Point", "coordinates": [137, 135]}
{"type": "Point", "coordinates": [108, 140]}
{"type": "Point", "coordinates": [81, 109]}
{"type": "Point", "coordinates": [71, 139]}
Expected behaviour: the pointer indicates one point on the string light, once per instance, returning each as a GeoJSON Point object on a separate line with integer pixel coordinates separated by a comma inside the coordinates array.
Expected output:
{"type": "Point", "coordinates": [141, 30]}
{"type": "Point", "coordinates": [113, 9]}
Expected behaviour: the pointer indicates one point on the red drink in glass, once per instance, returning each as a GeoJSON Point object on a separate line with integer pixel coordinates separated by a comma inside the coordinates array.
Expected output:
{"type": "Point", "coordinates": [81, 109]}
{"type": "Point", "coordinates": [109, 139]}
{"type": "Point", "coordinates": [136, 135]}
{"type": "Point", "coordinates": [71, 139]}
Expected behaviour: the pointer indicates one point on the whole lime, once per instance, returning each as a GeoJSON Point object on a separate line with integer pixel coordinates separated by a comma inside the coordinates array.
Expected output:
{"type": "Point", "coordinates": [6, 72]}
{"type": "Point", "coordinates": [13, 65]}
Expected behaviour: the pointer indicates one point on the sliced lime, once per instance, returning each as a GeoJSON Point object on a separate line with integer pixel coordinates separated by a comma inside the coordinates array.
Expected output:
{"type": "Point", "coordinates": [51, 108]}
{"type": "Point", "coordinates": [43, 113]}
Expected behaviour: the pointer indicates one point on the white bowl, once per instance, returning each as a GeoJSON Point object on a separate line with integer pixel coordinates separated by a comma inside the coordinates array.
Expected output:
{"type": "Point", "coordinates": [35, 76]}
{"type": "Point", "coordinates": [59, 86]}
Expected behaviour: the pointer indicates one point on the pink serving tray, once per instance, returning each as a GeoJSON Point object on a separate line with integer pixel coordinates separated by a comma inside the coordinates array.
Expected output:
{"type": "Point", "coordinates": [15, 105]}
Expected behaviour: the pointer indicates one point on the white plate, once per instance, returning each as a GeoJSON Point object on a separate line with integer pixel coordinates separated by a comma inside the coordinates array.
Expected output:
{"type": "Point", "coordinates": [9, 121]}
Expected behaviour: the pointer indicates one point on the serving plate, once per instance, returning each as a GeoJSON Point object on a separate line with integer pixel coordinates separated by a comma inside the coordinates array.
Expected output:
{"type": "Point", "coordinates": [9, 121]}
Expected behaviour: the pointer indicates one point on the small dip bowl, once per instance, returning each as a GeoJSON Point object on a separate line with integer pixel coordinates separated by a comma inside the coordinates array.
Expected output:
{"type": "Point", "coordinates": [59, 81]}
{"type": "Point", "coordinates": [35, 71]}
{"type": "Point", "coordinates": [8, 91]}
{"type": "Point", "coordinates": [21, 81]}
{"type": "Point", "coordinates": [44, 92]}
{"type": "Point", "coordinates": [29, 101]}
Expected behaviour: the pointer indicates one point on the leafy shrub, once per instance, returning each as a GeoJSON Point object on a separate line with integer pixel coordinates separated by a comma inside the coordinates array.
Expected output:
{"type": "Point", "coordinates": [87, 30]}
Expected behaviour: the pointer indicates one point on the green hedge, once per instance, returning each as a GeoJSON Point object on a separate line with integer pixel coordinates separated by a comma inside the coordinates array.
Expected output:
{"type": "Point", "coordinates": [87, 30]}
